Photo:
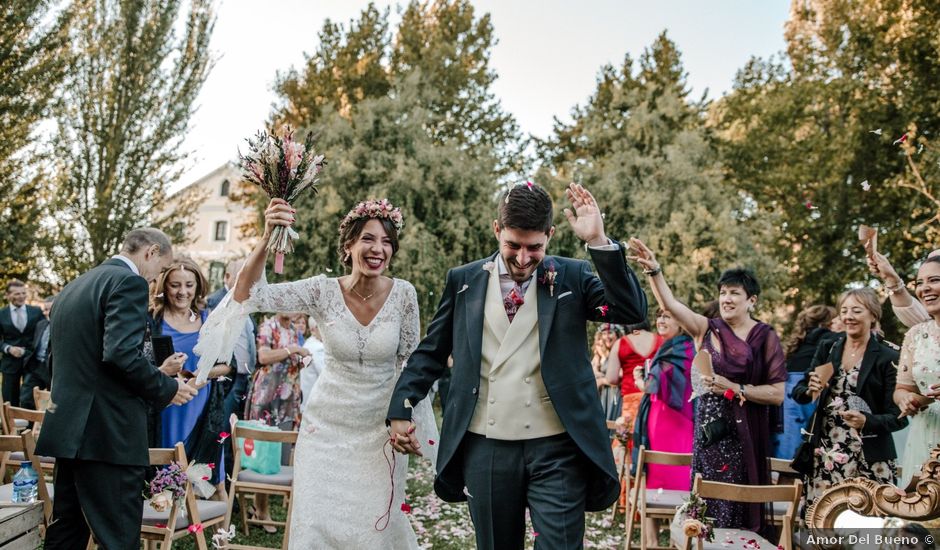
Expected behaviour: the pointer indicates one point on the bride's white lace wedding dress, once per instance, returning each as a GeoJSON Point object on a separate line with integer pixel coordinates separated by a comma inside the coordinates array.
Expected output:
{"type": "Point", "coordinates": [344, 472]}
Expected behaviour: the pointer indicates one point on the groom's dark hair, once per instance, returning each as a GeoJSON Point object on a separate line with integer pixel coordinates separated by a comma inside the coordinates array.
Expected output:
{"type": "Point", "coordinates": [528, 207]}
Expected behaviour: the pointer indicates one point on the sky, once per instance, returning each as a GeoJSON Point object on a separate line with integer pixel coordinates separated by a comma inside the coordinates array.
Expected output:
{"type": "Point", "coordinates": [547, 57]}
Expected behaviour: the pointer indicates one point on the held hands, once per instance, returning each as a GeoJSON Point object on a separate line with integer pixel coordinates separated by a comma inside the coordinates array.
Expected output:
{"type": "Point", "coordinates": [815, 383]}
{"type": "Point", "coordinates": [279, 212]}
{"type": "Point", "coordinates": [854, 419]}
{"type": "Point", "coordinates": [184, 392]}
{"type": "Point", "coordinates": [587, 220]}
{"type": "Point", "coordinates": [402, 436]}
{"type": "Point", "coordinates": [16, 351]}
{"type": "Point", "coordinates": [173, 364]}
{"type": "Point", "coordinates": [912, 403]}
{"type": "Point", "coordinates": [642, 255]}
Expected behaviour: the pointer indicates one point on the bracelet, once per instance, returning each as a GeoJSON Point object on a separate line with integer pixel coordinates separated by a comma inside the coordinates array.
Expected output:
{"type": "Point", "coordinates": [894, 289]}
{"type": "Point", "coordinates": [653, 272]}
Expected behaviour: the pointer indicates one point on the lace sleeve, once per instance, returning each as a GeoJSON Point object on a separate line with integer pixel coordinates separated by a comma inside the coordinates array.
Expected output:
{"type": "Point", "coordinates": [410, 325]}
{"type": "Point", "coordinates": [221, 330]}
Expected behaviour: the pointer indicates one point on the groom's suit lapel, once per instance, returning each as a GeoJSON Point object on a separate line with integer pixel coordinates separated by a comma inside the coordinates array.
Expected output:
{"type": "Point", "coordinates": [474, 306]}
{"type": "Point", "coordinates": [547, 300]}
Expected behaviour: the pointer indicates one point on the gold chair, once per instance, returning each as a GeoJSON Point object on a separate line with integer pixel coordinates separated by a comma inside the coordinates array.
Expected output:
{"type": "Point", "coordinates": [245, 482]}
{"type": "Point", "coordinates": [661, 504]}
{"type": "Point", "coordinates": [789, 494]}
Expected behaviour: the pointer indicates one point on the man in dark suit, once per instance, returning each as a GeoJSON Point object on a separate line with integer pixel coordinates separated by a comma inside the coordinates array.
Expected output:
{"type": "Point", "coordinates": [38, 370]}
{"type": "Point", "coordinates": [101, 383]}
{"type": "Point", "coordinates": [17, 331]}
{"type": "Point", "coordinates": [524, 425]}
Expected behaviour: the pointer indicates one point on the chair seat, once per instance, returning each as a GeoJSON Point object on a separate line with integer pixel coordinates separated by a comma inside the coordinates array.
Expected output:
{"type": "Point", "coordinates": [780, 508]}
{"type": "Point", "coordinates": [20, 423]}
{"type": "Point", "coordinates": [19, 456]}
{"type": "Point", "coordinates": [6, 492]}
{"type": "Point", "coordinates": [284, 477]}
{"type": "Point", "coordinates": [724, 539]}
{"type": "Point", "coordinates": [668, 499]}
{"type": "Point", "coordinates": [208, 509]}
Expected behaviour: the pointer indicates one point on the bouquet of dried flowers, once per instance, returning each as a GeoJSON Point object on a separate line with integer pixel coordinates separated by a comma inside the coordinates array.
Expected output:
{"type": "Point", "coordinates": [283, 168]}
{"type": "Point", "coordinates": [167, 486]}
{"type": "Point", "coordinates": [695, 522]}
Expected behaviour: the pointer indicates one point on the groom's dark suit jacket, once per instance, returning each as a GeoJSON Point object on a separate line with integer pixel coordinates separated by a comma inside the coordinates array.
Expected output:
{"type": "Point", "coordinates": [102, 381]}
{"type": "Point", "coordinates": [457, 329]}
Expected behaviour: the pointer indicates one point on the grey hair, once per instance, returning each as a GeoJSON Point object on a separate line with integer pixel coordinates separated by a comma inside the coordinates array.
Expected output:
{"type": "Point", "coordinates": [144, 237]}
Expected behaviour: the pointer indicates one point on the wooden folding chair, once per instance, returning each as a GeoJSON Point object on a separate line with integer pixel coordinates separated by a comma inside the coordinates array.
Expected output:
{"type": "Point", "coordinates": [245, 482]}
{"type": "Point", "coordinates": [42, 398]}
{"type": "Point", "coordinates": [789, 494]}
{"type": "Point", "coordinates": [18, 415]}
{"type": "Point", "coordinates": [25, 443]}
{"type": "Point", "coordinates": [785, 475]}
{"type": "Point", "coordinates": [661, 504]}
{"type": "Point", "coordinates": [173, 524]}
{"type": "Point", "coordinates": [625, 480]}
{"type": "Point", "coordinates": [12, 428]}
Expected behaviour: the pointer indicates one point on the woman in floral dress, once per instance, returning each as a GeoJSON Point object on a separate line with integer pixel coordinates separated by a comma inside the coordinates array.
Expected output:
{"type": "Point", "coordinates": [856, 413]}
{"type": "Point", "coordinates": [918, 371]}
{"type": "Point", "coordinates": [274, 397]}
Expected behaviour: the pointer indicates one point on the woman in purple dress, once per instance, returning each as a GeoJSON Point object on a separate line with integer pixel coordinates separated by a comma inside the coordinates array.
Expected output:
{"type": "Point", "coordinates": [743, 374]}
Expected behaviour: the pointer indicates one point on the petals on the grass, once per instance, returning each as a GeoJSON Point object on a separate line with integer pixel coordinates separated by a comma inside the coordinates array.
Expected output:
{"type": "Point", "coordinates": [195, 528]}
{"type": "Point", "coordinates": [405, 507]}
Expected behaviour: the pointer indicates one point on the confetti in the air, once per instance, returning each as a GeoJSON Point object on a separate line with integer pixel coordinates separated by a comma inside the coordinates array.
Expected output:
{"type": "Point", "coordinates": [900, 140]}
{"type": "Point", "coordinates": [876, 132]}
{"type": "Point", "coordinates": [865, 185]}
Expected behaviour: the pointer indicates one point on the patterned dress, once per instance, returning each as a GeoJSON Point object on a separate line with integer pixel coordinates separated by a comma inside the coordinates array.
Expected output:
{"type": "Point", "coordinates": [275, 393]}
{"type": "Point", "coordinates": [839, 456]}
{"type": "Point", "coordinates": [919, 366]}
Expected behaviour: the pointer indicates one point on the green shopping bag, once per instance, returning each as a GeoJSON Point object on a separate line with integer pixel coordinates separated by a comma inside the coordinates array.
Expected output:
{"type": "Point", "coordinates": [263, 457]}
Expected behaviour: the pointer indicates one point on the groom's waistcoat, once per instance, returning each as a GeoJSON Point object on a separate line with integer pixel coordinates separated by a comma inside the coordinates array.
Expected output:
{"type": "Point", "coordinates": [513, 403]}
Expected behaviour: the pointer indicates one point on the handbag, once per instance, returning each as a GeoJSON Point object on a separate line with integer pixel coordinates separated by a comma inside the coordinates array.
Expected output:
{"type": "Point", "coordinates": [715, 431]}
{"type": "Point", "coordinates": [805, 454]}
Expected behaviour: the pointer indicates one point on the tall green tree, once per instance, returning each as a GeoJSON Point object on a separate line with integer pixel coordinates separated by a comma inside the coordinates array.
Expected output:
{"type": "Point", "coordinates": [641, 146]}
{"type": "Point", "coordinates": [33, 59]}
{"type": "Point", "coordinates": [121, 119]}
{"type": "Point", "coordinates": [811, 137]}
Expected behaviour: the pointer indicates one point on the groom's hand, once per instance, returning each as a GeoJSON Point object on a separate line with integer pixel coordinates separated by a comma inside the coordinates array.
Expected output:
{"type": "Point", "coordinates": [402, 435]}
{"type": "Point", "coordinates": [587, 221]}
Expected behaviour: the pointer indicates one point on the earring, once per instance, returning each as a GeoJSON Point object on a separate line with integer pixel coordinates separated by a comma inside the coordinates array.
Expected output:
{"type": "Point", "coordinates": [346, 257]}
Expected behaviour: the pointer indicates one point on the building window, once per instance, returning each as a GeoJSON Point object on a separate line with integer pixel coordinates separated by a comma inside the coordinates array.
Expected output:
{"type": "Point", "coordinates": [216, 274]}
{"type": "Point", "coordinates": [223, 189]}
{"type": "Point", "coordinates": [221, 231]}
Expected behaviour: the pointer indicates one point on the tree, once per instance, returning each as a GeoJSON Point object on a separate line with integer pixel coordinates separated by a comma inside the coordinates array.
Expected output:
{"type": "Point", "coordinates": [121, 119]}
{"type": "Point", "coordinates": [383, 150]}
{"type": "Point", "coordinates": [32, 64]}
{"type": "Point", "coordinates": [811, 138]}
{"type": "Point", "coordinates": [641, 146]}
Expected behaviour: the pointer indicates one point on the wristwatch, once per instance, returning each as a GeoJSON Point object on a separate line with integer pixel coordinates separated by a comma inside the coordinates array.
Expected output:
{"type": "Point", "coordinates": [741, 388]}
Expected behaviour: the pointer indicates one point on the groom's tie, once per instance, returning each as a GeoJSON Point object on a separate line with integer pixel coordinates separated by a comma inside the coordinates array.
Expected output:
{"type": "Point", "coordinates": [513, 301]}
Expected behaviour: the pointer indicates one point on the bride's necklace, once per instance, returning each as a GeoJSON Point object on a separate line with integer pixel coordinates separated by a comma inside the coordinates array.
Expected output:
{"type": "Point", "coordinates": [364, 298]}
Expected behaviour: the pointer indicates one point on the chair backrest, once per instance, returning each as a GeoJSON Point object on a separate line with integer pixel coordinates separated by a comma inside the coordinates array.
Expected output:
{"type": "Point", "coordinates": [787, 475]}
{"type": "Point", "coordinates": [755, 494]}
{"type": "Point", "coordinates": [258, 435]}
{"type": "Point", "coordinates": [42, 398]}
{"type": "Point", "coordinates": [11, 414]}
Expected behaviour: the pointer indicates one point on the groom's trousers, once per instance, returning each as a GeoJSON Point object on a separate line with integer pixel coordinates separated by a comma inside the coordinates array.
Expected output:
{"type": "Point", "coordinates": [547, 474]}
{"type": "Point", "coordinates": [105, 497]}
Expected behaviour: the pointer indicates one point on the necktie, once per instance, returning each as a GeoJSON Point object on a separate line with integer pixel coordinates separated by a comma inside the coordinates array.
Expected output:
{"type": "Point", "coordinates": [19, 318]}
{"type": "Point", "coordinates": [513, 301]}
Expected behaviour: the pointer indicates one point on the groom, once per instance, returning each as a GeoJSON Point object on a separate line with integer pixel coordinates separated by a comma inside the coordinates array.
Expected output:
{"type": "Point", "coordinates": [524, 426]}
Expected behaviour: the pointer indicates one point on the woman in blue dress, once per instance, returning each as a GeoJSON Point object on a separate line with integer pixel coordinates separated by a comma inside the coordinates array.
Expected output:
{"type": "Point", "coordinates": [177, 310]}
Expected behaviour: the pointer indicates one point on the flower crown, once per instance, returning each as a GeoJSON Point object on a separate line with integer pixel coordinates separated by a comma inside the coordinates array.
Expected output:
{"type": "Point", "coordinates": [374, 209]}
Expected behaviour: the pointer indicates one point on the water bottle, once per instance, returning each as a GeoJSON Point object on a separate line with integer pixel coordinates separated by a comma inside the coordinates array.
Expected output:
{"type": "Point", "coordinates": [26, 484]}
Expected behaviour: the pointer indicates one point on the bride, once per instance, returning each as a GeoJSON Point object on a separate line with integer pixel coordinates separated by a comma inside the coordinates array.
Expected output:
{"type": "Point", "coordinates": [348, 483]}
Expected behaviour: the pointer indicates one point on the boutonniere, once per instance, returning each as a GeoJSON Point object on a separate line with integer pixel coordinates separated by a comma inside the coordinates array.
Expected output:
{"type": "Point", "coordinates": [548, 278]}
{"type": "Point", "coordinates": [603, 310]}
{"type": "Point", "coordinates": [489, 266]}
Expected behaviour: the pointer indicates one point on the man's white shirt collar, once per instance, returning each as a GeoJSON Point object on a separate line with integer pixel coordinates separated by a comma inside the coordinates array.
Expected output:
{"type": "Point", "coordinates": [128, 261]}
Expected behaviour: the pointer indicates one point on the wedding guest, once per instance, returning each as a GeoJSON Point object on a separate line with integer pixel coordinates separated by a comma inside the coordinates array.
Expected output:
{"type": "Point", "coordinates": [101, 383]}
{"type": "Point", "coordinates": [609, 393]}
{"type": "Point", "coordinates": [919, 373]}
{"type": "Point", "coordinates": [811, 327]}
{"type": "Point", "coordinates": [908, 310]}
{"type": "Point", "coordinates": [631, 350]}
{"type": "Point", "coordinates": [310, 373]}
{"type": "Point", "coordinates": [177, 310]}
{"type": "Point", "coordinates": [852, 431]}
{"type": "Point", "coordinates": [664, 420]}
{"type": "Point", "coordinates": [38, 373]}
{"type": "Point", "coordinates": [17, 333]}
{"type": "Point", "coordinates": [274, 395]}
{"type": "Point", "coordinates": [735, 416]}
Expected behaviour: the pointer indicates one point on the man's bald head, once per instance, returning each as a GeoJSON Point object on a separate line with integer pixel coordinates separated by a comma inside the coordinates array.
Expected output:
{"type": "Point", "coordinates": [231, 271]}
